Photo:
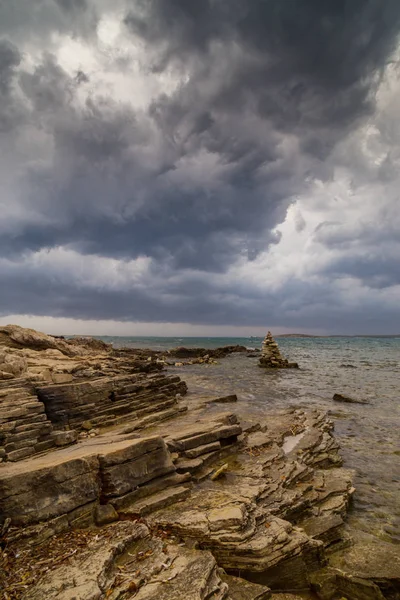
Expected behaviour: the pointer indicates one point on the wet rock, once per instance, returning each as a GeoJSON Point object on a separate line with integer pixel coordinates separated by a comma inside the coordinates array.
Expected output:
{"type": "Point", "coordinates": [224, 399]}
{"type": "Point", "coordinates": [183, 352]}
{"type": "Point", "coordinates": [348, 400]}
{"type": "Point", "coordinates": [368, 569]}
{"type": "Point", "coordinates": [220, 471]}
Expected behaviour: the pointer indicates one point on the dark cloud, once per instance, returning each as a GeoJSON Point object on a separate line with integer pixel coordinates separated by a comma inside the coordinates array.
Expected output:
{"type": "Point", "coordinates": [318, 304]}
{"type": "Point", "coordinates": [38, 20]}
{"type": "Point", "coordinates": [9, 59]}
{"type": "Point", "coordinates": [299, 63]}
{"type": "Point", "coordinates": [259, 96]}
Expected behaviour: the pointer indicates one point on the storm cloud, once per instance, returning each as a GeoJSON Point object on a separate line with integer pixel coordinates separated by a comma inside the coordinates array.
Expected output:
{"type": "Point", "coordinates": [226, 162]}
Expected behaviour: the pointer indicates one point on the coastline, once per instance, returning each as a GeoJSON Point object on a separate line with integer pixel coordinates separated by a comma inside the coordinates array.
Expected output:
{"type": "Point", "coordinates": [293, 446]}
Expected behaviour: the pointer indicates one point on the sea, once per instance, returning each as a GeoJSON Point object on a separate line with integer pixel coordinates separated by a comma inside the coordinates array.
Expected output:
{"type": "Point", "coordinates": [364, 368]}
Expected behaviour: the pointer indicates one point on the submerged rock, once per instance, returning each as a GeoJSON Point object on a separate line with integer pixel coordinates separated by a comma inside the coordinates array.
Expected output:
{"type": "Point", "coordinates": [348, 400]}
{"type": "Point", "coordinates": [194, 353]}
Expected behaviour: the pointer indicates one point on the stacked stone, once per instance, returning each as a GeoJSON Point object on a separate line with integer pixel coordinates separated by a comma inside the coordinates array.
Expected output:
{"type": "Point", "coordinates": [271, 358]}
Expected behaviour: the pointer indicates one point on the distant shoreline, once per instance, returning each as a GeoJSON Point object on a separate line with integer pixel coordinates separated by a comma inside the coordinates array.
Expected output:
{"type": "Point", "coordinates": [229, 337]}
{"type": "Point", "coordinates": [305, 335]}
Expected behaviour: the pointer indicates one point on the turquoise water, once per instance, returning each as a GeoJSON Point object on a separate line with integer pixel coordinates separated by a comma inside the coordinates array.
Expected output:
{"type": "Point", "coordinates": [365, 368]}
{"type": "Point", "coordinates": [164, 343]}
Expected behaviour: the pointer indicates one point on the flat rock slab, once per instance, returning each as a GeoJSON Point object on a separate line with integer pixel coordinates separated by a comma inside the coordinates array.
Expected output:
{"type": "Point", "coordinates": [44, 493]}
{"type": "Point", "coordinates": [370, 559]}
{"type": "Point", "coordinates": [58, 483]}
{"type": "Point", "coordinates": [240, 589]}
{"type": "Point", "coordinates": [124, 469]}
{"type": "Point", "coordinates": [156, 501]}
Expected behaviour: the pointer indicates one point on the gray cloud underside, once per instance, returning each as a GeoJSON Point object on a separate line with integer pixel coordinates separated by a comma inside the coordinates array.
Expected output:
{"type": "Point", "coordinates": [203, 174]}
{"type": "Point", "coordinates": [315, 306]}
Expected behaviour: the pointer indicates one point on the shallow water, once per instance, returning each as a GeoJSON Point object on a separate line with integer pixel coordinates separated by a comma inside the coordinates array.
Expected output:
{"type": "Point", "coordinates": [364, 368]}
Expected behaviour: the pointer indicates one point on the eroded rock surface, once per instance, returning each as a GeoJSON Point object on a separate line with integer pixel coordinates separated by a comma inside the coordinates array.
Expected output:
{"type": "Point", "coordinates": [110, 489]}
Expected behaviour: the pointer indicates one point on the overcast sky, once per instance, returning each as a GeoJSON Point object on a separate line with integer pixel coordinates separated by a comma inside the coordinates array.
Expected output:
{"type": "Point", "coordinates": [175, 167]}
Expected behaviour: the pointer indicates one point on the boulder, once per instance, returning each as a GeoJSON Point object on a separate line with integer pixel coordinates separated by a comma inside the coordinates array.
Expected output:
{"type": "Point", "coordinates": [14, 336]}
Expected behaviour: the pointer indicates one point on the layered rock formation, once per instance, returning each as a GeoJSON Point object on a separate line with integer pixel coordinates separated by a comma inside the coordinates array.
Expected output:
{"type": "Point", "coordinates": [251, 518]}
{"type": "Point", "coordinates": [125, 560]}
{"type": "Point", "coordinates": [271, 358]}
{"type": "Point", "coordinates": [165, 503]}
{"type": "Point", "coordinates": [52, 389]}
{"type": "Point", "coordinates": [107, 401]}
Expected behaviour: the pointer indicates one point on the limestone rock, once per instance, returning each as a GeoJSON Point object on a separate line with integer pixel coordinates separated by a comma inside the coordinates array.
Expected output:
{"type": "Point", "coordinates": [61, 377]}
{"type": "Point", "coordinates": [152, 570]}
{"type": "Point", "coordinates": [107, 400]}
{"type": "Point", "coordinates": [348, 400]}
{"type": "Point", "coordinates": [240, 589]}
{"type": "Point", "coordinates": [367, 569]}
{"type": "Point", "coordinates": [104, 514]}
{"type": "Point", "coordinates": [6, 375]}
{"type": "Point", "coordinates": [271, 357]}
{"type": "Point", "coordinates": [224, 399]}
{"type": "Point", "coordinates": [210, 353]}
{"type": "Point", "coordinates": [11, 364]}
{"type": "Point", "coordinates": [36, 494]}
{"type": "Point", "coordinates": [90, 343]}
{"type": "Point", "coordinates": [65, 438]}
{"type": "Point", "coordinates": [220, 471]}
{"type": "Point", "coordinates": [143, 460]}
{"type": "Point", "coordinates": [15, 336]}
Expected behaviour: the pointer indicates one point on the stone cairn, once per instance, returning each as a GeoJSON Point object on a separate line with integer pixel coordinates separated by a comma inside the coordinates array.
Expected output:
{"type": "Point", "coordinates": [271, 358]}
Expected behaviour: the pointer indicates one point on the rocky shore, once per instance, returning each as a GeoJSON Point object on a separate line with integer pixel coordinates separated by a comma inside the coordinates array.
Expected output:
{"type": "Point", "coordinates": [116, 483]}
